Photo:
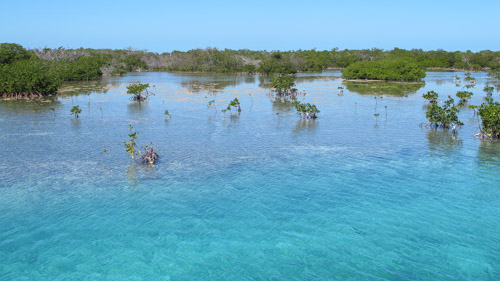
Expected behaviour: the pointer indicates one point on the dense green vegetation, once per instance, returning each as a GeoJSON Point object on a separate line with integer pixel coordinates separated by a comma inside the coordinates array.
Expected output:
{"type": "Point", "coordinates": [490, 119]}
{"type": "Point", "coordinates": [389, 70]}
{"type": "Point", "coordinates": [23, 74]}
{"type": "Point", "coordinates": [306, 110]}
{"type": "Point", "coordinates": [445, 116]}
{"type": "Point", "coordinates": [41, 71]}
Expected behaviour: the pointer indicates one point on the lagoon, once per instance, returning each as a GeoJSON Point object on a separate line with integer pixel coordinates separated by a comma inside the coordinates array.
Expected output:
{"type": "Point", "coordinates": [262, 195]}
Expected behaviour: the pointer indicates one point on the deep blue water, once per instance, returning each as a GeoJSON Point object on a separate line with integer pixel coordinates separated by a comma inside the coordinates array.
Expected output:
{"type": "Point", "coordinates": [262, 195]}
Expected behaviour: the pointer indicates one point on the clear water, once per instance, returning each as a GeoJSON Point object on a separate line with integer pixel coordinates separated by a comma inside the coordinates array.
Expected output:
{"type": "Point", "coordinates": [259, 196]}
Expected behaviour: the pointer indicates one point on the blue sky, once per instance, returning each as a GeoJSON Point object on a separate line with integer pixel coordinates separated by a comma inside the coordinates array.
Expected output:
{"type": "Point", "coordinates": [163, 26]}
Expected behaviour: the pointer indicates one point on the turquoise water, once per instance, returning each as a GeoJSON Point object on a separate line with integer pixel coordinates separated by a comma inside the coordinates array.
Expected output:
{"type": "Point", "coordinates": [256, 196]}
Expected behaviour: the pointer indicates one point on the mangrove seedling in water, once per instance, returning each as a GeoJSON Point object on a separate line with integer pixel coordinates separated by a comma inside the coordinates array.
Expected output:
{"type": "Point", "coordinates": [306, 110]}
{"type": "Point", "coordinates": [284, 88]}
{"type": "Point", "coordinates": [211, 104]}
{"type": "Point", "coordinates": [444, 117]}
{"type": "Point", "coordinates": [489, 90]}
{"type": "Point", "coordinates": [490, 119]}
{"type": "Point", "coordinates": [147, 156]}
{"type": "Point", "coordinates": [130, 145]}
{"type": "Point", "coordinates": [138, 91]}
{"type": "Point", "coordinates": [431, 96]}
{"type": "Point", "coordinates": [464, 96]}
{"type": "Point", "coordinates": [76, 111]}
{"type": "Point", "coordinates": [234, 104]}
{"type": "Point", "coordinates": [166, 113]}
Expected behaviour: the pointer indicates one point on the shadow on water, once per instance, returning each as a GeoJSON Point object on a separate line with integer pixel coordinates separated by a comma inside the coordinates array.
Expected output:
{"type": "Point", "coordinates": [231, 120]}
{"type": "Point", "coordinates": [443, 141]}
{"type": "Point", "coordinates": [35, 106]}
{"type": "Point", "coordinates": [282, 107]}
{"type": "Point", "coordinates": [383, 88]}
{"type": "Point", "coordinates": [215, 84]}
{"type": "Point", "coordinates": [76, 88]}
{"type": "Point", "coordinates": [489, 154]}
{"type": "Point", "coordinates": [138, 109]}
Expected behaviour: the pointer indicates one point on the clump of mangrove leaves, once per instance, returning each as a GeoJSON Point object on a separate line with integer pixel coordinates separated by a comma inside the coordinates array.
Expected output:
{"type": "Point", "coordinates": [306, 110]}
{"type": "Point", "coordinates": [139, 92]}
{"type": "Point", "coordinates": [445, 117]}
{"type": "Point", "coordinates": [389, 70]}
{"type": "Point", "coordinates": [148, 154]}
{"type": "Point", "coordinates": [431, 96]}
{"type": "Point", "coordinates": [490, 119]}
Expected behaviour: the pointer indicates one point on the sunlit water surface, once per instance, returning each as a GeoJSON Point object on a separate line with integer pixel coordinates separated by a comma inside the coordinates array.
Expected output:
{"type": "Point", "coordinates": [262, 195]}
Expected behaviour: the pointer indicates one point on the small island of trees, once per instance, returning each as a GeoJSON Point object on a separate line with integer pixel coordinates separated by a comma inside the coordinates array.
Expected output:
{"type": "Point", "coordinates": [388, 70]}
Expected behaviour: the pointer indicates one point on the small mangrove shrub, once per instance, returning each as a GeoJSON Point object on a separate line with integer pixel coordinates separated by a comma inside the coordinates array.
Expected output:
{"type": "Point", "coordinates": [283, 88]}
{"type": "Point", "coordinates": [431, 96]}
{"type": "Point", "coordinates": [148, 154]}
{"type": "Point", "coordinates": [444, 117]}
{"type": "Point", "coordinates": [139, 91]}
{"type": "Point", "coordinates": [488, 90]}
{"type": "Point", "coordinates": [75, 111]}
{"type": "Point", "coordinates": [489, 112]}
{"type": "Point", "coordinates": [306, 110]}
{"type": "Point", "coordinates": [233, 104]}
{"type": "Point", "coordinates": [464, 96]}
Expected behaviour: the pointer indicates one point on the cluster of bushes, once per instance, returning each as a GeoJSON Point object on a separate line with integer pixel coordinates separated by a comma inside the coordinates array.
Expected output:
{"type": "Point", "coordinates": [25, 74]}
{"type": "Point", "coordinates": [393, 70]}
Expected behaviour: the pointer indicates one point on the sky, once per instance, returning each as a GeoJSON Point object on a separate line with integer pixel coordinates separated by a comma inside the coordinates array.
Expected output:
{"type": "Point", "coordinates": [164, 26]}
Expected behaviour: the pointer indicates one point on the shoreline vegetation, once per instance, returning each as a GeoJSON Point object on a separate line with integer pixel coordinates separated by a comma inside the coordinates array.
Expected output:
{"type": "Point", "coordinates": [41, 72]}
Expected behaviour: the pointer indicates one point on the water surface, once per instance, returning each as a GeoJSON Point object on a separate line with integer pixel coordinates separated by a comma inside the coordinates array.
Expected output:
{"type": "Point", "coordinates": [260, 195]}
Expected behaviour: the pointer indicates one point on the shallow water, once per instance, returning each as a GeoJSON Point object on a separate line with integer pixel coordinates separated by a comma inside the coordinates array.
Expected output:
{"type": "Point", "coordinates": [262, 195]}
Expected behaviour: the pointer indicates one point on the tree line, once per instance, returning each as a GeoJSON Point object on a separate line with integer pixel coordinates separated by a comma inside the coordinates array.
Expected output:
{"type": "Point", "coordinates": [39, 72]}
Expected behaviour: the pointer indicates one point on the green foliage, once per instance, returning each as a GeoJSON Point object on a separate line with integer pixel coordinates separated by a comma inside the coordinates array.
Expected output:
{"type": "Point", "coordinates": [494, 74]}
{"type": "Point", "coordinates": [211, 104]}
{"type": "Point", "coordinates": [443, 117]}
{"type": "Point", "coordinates": [76, 111]}
{"type": "Point", "coordinates": [82, 69]}
{"type": "Point", "coordinates": [10, 53]}
{"type": "Point", "coordinates": [389, 70]}
{"type": "Point", "coordinates": [283, 85]}
{"type": "Point", "coordinates": [464, 96]}
{"type": "Point", "coordinates": [490, 118]}
{"type": "Point", "coordinates": [130, 145]}
{"type": "Point", "coordinates": [488, 89]}
{"type": "Point", "coordinates": [133, 63]}
{"type": "Point", "coordinates": [234, 104]}
{"type": "Point", "coordinates": [277, 64]}
{"type": "Point", "coordinates": [31, 76]}
{"type": "Point", "coordinates": [431, 96]}
{"type": "Point", "coordinates": [306, 110]}
{"type": "Point", "coordinates": [166, 113]}
{"type": "Point", "coordinates": [138, 91]}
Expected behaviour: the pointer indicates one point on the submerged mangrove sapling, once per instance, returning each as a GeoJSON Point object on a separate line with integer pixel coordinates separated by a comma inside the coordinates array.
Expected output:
{"type": "Point", "coordinates": [166, 113]}
{"type": "Point", "coordinates": [233, 104]}
{"type": "Point", "coordinates": [147, 156]}
{"type": "Point", "coordinates": [431, 96]}
{"type": "Point", "coordinates": [211, 104]}
{"type": "Point", "coordinates": [284, 88]}
{"type": "Point", "coordinates": [76, 111]}
{"type": "Point", "coordinates": [489, 90]}
{"type": "Point", "coordinates": [464, 96]}
{"type": "Point", "coordinates": [139, 91]}
{"type": "Point", "coordinates": [306, 110]}
{"type": "Point", "coordinates": [490, 119]}
{"type": "Point", "coordinates": [444, 117]}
